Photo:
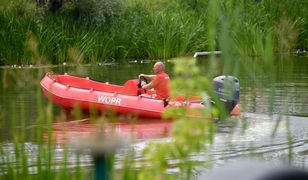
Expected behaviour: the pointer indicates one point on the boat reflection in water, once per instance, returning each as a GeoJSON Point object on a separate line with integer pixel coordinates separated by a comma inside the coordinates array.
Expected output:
{"type": "Point", "coordinates": [140, 129]}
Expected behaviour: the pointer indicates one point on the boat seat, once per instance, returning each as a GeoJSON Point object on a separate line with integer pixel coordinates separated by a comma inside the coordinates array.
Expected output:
{"type": "Point", "coordinates": [130, 87]}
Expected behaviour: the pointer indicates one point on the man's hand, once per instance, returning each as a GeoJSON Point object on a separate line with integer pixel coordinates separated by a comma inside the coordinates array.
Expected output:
{"type": "Point", "coordinates": [144, 86]}
{"type": "Point", "coordinates": [141, 75]}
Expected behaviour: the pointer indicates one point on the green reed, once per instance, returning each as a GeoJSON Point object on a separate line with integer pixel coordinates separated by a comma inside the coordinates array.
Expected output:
{"type": "Point", "coordinates": [160, 29]}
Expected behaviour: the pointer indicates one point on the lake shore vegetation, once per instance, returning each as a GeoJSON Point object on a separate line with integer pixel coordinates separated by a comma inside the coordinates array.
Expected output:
{"type": "Point", "coordinates": [108, 30]}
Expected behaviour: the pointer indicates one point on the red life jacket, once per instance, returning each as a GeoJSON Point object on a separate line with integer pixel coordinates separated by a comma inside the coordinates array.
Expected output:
{"type": "Point", "coordinates": [161, 85]}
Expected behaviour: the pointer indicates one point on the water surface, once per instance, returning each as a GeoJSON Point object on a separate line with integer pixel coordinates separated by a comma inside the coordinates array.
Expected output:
{"type": "Point", "coordinates": [264, 97]}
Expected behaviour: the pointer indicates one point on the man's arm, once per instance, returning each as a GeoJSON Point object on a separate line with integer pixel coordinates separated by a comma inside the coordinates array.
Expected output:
{"type": "Point", "coordinates": [152, 84]}
{"type": "Point", "coordinates": [148, 86]}
{"type": "Point", "coordinates": [151, 77]}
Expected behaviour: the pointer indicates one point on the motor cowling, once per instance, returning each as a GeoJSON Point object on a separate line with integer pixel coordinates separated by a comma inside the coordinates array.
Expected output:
{"type": "Point", "coordinates": [228, 90]}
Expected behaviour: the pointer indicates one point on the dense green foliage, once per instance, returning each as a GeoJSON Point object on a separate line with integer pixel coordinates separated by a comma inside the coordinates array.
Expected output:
{"type": "Point", "coordinates": [116, 29]}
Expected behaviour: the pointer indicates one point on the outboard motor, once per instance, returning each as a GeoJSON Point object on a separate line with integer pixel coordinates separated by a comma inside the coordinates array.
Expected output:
{"type": "Point", "coordinates": [228, 90]}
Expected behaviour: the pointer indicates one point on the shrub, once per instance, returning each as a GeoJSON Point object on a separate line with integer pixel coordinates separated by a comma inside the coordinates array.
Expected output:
{"type": "Point", "coordinates": [97, 11]}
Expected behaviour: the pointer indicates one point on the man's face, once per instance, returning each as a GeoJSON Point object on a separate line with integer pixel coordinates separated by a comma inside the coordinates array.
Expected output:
{"type": "Point", "coordinates": [156, 68]}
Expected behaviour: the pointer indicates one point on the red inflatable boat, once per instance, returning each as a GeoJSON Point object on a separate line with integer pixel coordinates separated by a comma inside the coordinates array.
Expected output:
{"type": "Point", "coordinates": [67, 91]}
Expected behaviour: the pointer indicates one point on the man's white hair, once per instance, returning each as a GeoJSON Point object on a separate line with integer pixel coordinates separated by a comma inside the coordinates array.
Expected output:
{"type": "Point", "coordinates": [160, 64]}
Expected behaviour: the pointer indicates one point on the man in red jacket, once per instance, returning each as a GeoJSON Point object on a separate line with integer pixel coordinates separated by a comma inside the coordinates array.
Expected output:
{"type": "Point", "coordinates": [160, 81]}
